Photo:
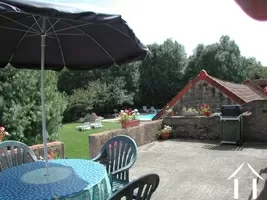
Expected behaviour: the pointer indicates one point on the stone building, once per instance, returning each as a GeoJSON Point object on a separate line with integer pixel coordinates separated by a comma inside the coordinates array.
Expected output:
{"type": "Point", "coordinates": [205, 89]}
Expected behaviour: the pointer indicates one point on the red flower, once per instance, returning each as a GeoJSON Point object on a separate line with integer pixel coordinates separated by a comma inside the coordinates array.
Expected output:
{"type": "Point", "coordinates": [50, 155]}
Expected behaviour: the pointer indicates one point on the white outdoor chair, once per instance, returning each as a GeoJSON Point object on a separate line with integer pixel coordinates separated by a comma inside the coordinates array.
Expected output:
{"type": "Point", "coordinates": [152, 109]}
{"type": "Point", "coordinates": [97, 123]}
{"type": "Point", "coordinates": [14, 153]}
{"type": "Point", "coordinates": [145, 109]}
{"type": "Point", "coordinates": [84, 127]}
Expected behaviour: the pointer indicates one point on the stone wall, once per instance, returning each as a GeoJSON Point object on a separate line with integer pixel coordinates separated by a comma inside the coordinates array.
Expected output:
{"type": "Point", "coordinates": [143, 134]}
{"type": "Point", "coordinates": [198, 127]}
{"type": "Point", "coordinates": [201, 93]}
{"type": "Point", "coordinates": [55, 147]}
{"type": "Point", "coordinates": [255, 126]}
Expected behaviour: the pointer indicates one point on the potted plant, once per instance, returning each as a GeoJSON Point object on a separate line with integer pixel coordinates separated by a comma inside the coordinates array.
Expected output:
{"type": "Point", "coordinates": [165, 132]}
{"type": "Point", "coordinates": [189, 111]}
{"type": "Point", "coordinates": [205, 110]}
{"type": "Point", "coordinates": [128, 118]}
{"type": "Point", "coordinates": [169, 111]}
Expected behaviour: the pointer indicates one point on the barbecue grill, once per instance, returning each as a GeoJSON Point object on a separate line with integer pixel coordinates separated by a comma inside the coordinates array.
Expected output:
{"type": "Point", "coordinates": [231, 124]}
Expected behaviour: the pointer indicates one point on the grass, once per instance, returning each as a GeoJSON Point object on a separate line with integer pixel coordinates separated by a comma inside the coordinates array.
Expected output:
{"type": "Point", "coordinates": [76, 144]}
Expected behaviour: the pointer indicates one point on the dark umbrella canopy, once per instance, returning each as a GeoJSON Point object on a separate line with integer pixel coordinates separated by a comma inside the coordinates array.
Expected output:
{"type": "Point", "coordinates": [75, 39]}
{"type": "Point", "coordinates": [40, 35]}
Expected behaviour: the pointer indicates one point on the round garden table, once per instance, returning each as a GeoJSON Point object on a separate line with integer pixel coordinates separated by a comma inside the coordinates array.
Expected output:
{"type": "Point", "coordinates": [67, 179]}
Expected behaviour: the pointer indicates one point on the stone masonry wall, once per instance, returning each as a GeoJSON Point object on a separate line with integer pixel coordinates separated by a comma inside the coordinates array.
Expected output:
{"type": "Point", "coordinates": [201, 93]}
{"type": "Point", "coordinates": [255, 126]}
{"type": "Point", "coordinates": [143, 134]}
{"type": "Point", "coordinates": [199, 127]}
{"type": "Point", "coordinates": [56, 147]}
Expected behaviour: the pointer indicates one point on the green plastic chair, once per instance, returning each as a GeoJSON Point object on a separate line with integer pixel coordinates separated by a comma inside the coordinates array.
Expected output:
{"type": "Point", "coordinates": [118, 155]}
{"type": "Point", "coordinates": [139, 189]}
{"type": "Point", "coordinates": [13, 153]}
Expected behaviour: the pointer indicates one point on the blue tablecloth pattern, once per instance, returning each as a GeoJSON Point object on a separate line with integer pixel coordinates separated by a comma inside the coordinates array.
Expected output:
{"type": "Point", "coordinates": [73, 179]}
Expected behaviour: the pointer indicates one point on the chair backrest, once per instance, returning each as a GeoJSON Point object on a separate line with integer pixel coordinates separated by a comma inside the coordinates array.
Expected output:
{"type": "Point", "coordinates": [141, 188]}
{"type": "Point", "coordinates": [118, 152]}
{"type": "Point", "coordinates": [144, 108]}
{"type": "Point", "coordinates": [98, 121]}
{"type": "Point", "coordinates": [86, 124]}
{"type": "Point", "coordinates": [13, 153]}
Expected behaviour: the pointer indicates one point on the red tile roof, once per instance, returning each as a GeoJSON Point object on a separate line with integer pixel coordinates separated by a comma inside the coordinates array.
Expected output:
{"type": "Point", "coordinates": [260, 82]}
{"type": "Point", "coordinates": [240, 93]}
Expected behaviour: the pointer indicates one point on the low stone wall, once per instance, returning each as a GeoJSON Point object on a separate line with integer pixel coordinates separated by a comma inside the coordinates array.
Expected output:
{"type": "Point", "coordinates": [198, 127]}
{"type": "Point", "coordinates": [255, 126]}
{"type": "Point", "coordinates": [143, 134]}
{"type": "Point", "coordinates": [55, 147]}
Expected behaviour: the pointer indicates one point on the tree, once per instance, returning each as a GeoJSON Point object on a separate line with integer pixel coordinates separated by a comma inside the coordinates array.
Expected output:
{"type": "Point", "coordinates": [68, 80]}
{"type": "Point", "coordinates": [254, 69]}
{"type": "Point", "coordinates": [97, 96]}
{"type": "Point", "coordinates": [161, 73]}
{"type": "Point", "coordinates": [222, 60]}
{"type": "Point", "coordinates": [20, 104]}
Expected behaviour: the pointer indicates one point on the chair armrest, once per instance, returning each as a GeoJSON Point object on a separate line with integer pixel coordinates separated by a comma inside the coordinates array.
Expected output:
{"type": "Point", "coordinates": [123, 168]}
{"type": "Point", "coordinates": [97, 157]}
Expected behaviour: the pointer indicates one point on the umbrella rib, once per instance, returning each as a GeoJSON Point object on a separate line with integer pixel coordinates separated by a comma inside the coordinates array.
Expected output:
{"type": "Point", "coordinates": [18, 23]}
{"type": "Point", "coordinates": [52, 25]}
{"type": "Point", "coordinates": [37, 22]}
{"type": "Point", "coordinates": [117, 30]}
{"type": "Point", "coordinates": [15, 29]}
{"type": "Point", "coordinates": [34, 34]}
{"type": "Point", "coordinates": [92, 40]}
{"type": "Point", "coordinates": [72, 27]}
{"type": "Point", "coordinates": [22, 39]}
{"type": "Point", "coordinates": [61, 51]}
{"type": "Point", "coordinates": [68, 34]}
{"type": "Point", "coordinates": [49, 36]}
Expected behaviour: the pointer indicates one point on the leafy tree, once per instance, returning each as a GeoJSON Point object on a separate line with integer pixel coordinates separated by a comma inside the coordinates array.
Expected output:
{"type": "Point", "coordinates": [68, 80]}
{"type": "Point", "coordinates": [20, 104]}
{"type": "Point", "coordinates": [97, 96]}
{"type": "Point", "coordinates": [161, 73]}
{"type": "Point", "coordinates": [254, 69]}
{"type": "Point", "coordinates": [222, 60]}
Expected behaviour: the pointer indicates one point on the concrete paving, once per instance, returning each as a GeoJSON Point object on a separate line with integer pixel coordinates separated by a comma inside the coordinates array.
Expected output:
{"type": "Point", "coordinates": [196, 170]}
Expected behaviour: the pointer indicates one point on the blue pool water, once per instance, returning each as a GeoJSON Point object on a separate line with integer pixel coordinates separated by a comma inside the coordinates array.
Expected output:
{"type": "Point", "coordinates": [146, 116]}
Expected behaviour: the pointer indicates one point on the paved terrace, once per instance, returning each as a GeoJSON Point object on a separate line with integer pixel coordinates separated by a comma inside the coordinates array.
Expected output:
{"type": "Point", "coordinates": [195, 170]}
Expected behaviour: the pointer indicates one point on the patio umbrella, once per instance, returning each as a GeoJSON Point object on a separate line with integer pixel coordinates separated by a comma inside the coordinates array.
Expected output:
{"type": "Point", "coordinates": [256, 9]}
{"type": "Point", "coordinates": [34, 33]}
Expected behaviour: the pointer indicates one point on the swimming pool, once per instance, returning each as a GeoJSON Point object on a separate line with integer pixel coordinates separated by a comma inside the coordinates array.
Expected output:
{"type": "Point", "coordinates": [146, 117]}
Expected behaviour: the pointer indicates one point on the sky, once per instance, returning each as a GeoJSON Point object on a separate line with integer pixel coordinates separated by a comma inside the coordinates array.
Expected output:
{"type": "Point", "coordinates": [189, 22]}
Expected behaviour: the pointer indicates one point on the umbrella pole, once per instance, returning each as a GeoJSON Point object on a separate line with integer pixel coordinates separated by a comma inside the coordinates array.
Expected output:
{"type": "Point", "coordinates": [44, 132]}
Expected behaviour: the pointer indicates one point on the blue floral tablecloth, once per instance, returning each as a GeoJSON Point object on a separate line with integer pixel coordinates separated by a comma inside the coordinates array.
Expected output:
{"type": "Point", "coordinates": [67, 179]}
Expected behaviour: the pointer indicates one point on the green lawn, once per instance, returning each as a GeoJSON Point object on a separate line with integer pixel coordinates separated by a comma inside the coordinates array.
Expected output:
{"type": "Point", "coordinates": [76, 143]}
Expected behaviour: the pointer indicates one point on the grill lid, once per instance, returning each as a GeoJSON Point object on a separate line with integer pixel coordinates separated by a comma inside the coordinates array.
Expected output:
{"type": "Point", "coordinates": [231, 110]}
